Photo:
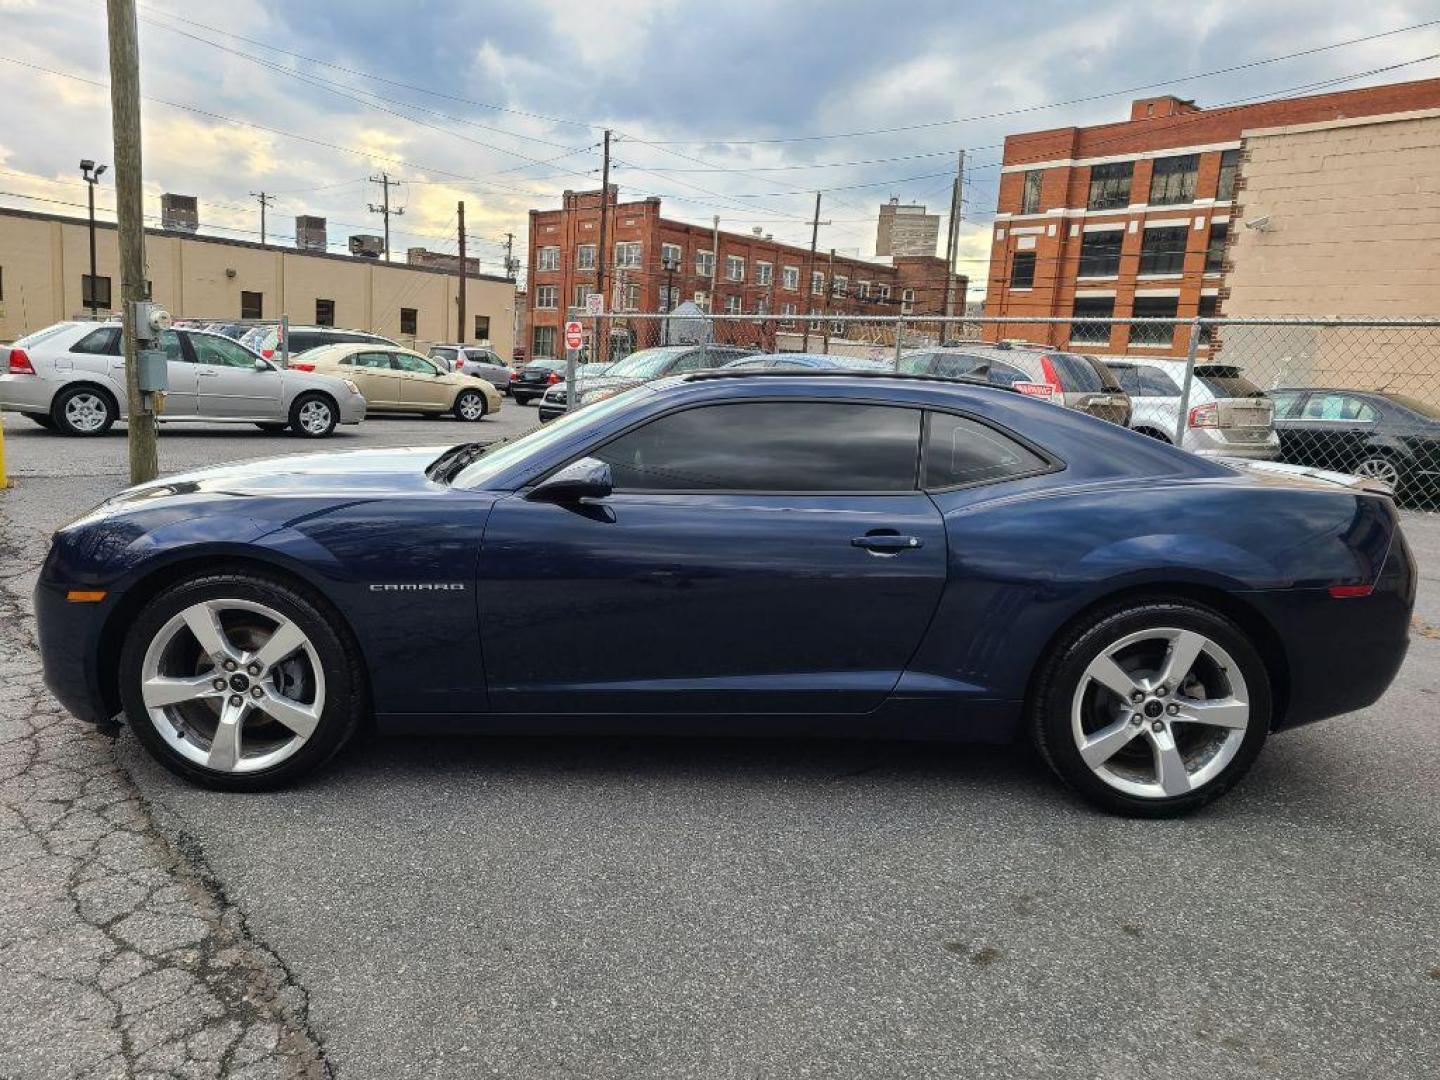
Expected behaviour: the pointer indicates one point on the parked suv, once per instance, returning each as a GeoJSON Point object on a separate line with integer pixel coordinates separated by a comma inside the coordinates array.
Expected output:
{"type": "Point", "coordinates": [265, 340]}
{"type": "Point", "coordinates": [474, 360]}
{"type": "Point", "coordinates": [1229, 416]}
{"type": "Point", "coordinates": [71, 378]}
{"type": "Point", "coordinates": [1070, 379]}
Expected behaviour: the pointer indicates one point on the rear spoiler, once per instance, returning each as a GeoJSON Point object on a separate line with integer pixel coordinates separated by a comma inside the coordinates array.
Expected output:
{"type": "Point", "coordinates": [1280, 468]}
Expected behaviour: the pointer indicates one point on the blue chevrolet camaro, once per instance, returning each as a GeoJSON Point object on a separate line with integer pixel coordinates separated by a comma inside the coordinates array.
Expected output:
{"type": "Point", "coordinates": [766, 552]}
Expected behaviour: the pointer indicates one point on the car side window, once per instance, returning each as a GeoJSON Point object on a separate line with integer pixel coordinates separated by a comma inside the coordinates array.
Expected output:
{"type": "Point", "coordinates": [960, 451]}
{"type": "Point", "coordinates": [770, 446]}
{"type": "Point", "coordinates": [1285, 403]}
{"type": "Point", "coordinates": [1155, 383]}
{"type": "Point", "coordinates": [102, 342]}
{"type": "Point", "coordinates": [219, 351]}
{"type": "Point", "coordinates": [1339, 407]}
{"type": "Point", "coordinates": [406, 362]}
{"type": "Point", "coordinates": [377, 360]}
{"type": "Point", "coordinates": [698, 360]}
{"type": "Point", "coordinates": [170, 342]}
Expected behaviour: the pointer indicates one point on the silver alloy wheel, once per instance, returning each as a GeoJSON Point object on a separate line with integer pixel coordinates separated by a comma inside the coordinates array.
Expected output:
{"type": "Point", "coordinates": [1160, 712]}
{"type": "Point", "coordinates": [315, 416]}
{"type": "Point", "coordinates": [233, 685]}
{"type": "Point", "coordinates": [86, 411]}
{"type": "Point", "coordinates": [1382, 469]}
{"type": "Point", "coordinates": [472, 405]}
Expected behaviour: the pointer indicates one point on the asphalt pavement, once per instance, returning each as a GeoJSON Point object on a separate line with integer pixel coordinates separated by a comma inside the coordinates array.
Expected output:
{"type": "Point", "coordinates": [673, 908]}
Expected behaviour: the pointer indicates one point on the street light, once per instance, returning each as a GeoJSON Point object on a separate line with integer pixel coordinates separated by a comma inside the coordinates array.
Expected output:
{"type": "Point", "coordinates": [669, 265]}
{"type": "Point", "coordinates": [92, 173]}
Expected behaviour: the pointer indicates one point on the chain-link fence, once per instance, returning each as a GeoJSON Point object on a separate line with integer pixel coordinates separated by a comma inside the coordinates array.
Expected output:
{"type": "Point", "coordinates": [1357, 396]}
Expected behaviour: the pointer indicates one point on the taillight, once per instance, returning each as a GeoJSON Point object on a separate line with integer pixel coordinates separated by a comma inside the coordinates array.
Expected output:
{"type": "Point", "coordinates": [1051, 376]}
{"type": "Point", "coordinates": [1205, 415]}
{"type": "Point", "coordinates": [552, 378]}
{"type": "Point", "coordinates": [301, 367]}
{"type": "Point", "coordinates": [20, 363]}
{"type": "Point", "coordinates": [1340, 592]}
{"type": "Point", "coordinates": [269, 354]}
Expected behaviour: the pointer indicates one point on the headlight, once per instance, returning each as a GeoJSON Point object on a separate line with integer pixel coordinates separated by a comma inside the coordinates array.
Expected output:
{"type": "Point", "coordinates": [353, 388]}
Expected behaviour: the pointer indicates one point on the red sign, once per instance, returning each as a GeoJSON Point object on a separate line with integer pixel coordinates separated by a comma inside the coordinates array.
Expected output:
{"type": "Point", "coordinates": [574, 336]}
{"type": "Point", "coordinates": [1036, 389]}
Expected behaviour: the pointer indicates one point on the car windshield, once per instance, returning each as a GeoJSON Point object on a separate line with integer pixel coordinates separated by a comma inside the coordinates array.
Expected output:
{"type": "Point", "coordinates": [644, 364]}
{"type": "Point", "coordinates": [1227, 382]}
{"type": "Point", "coordinates": [1414, 404]}
{"type": "Point", "coordinates": [501, 455]}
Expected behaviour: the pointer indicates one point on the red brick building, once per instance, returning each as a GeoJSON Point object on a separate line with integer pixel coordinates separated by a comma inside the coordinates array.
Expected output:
{"type": "Point", "coordinates": [1133, 218]}
{"type": "Point", "coordinates": [656, 264]}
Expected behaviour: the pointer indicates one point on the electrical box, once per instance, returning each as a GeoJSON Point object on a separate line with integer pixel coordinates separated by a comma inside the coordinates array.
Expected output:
{"type": "Point", "coordinates": [153, 371]}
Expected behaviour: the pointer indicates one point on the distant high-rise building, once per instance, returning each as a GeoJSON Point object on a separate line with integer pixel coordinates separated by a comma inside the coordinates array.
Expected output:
{"type": "Point", "coordinates": [906, 229]}
{"type": "Point", "coordinates": [179, 213]}
{"type": "Point", "coordinates": [310, 233]}
{"type": "Point", "coordinates": [438, 260]}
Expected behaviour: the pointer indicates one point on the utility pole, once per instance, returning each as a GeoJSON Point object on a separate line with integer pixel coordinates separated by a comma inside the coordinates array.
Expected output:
{"type": "Point", "coordinates": [509, 256]}
{"type": "Point", "coordinates": [957, 203]}
{"type": "Point", "coordinates": [384, 208]}
{"type": "Point", "coordinates": [130, 216]}
{"type": "Point", "coordinates": [460, 213]}
{"type": "Point", "coordinates": [602, 343]}
{"type": "Point", "coordinates": [264, 200]}
{"type": "Point", "coordinates": [806, 286]}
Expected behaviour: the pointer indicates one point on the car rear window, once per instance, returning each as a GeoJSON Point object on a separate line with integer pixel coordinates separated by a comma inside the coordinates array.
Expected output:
{"type": "Point", "coordinates": [1226, 382]}
{"type": "Point", "coordinates": [102, 342]}
{"type": "Point", "coordinates": [1080, 373]}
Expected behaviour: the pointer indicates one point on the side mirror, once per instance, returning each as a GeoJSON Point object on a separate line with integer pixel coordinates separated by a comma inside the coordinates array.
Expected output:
{"type": "Point", "coordinates": [261, 365]}
{"type": "Point", "coordinates": [583, 479]}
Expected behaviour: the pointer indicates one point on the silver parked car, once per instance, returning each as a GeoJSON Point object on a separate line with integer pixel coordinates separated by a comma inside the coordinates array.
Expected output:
{"type": "Point", "coordinates": [1229, 416]}
{"type": "Point", "coordinates": [71, 378]}
{"type": "Point", "coordinates": [474, 360]}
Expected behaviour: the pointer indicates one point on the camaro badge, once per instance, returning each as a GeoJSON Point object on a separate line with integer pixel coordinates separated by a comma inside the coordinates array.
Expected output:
{"type": "Point", "coordinates": [419, 586]}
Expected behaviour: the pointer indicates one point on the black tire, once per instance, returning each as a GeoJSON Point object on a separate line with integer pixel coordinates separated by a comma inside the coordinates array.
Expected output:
{"type": "Point", "coordinates": [1058, 680]}
{"type": "Point", "coordinates": [88, 401]}
{"type": "Point", "coordinates": [522, 399]}
{"type": "Point", "coordinates": [273, 427]}
{"type": "Point", "coordinates": [306, 411]}
{"type": "Point", "coordinates": [462, 402]}
{"type": "Point", "coordinates": [345, 694]}
{"type": "Point", "coordinates": [43, 419]}
{"type": "Point", "coordinates": [1377, 464]}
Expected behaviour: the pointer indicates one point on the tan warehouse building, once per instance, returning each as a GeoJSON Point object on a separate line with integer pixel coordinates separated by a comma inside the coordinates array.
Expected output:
{"type": "Point", "coordinates": [45, 260]}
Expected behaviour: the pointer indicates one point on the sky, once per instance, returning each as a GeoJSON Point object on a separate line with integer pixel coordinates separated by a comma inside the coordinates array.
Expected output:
{"type": "Point", "coordinates": [742, 109]}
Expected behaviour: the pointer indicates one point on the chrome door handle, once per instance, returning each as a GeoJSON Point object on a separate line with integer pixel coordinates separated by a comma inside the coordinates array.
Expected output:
{"type": "Point", "coordinates": [207, 374]}
{"type": "Point", "coordinates": [886, 543]}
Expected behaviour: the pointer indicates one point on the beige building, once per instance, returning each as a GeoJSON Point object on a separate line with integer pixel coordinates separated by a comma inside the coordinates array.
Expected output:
{"type": "Point", "coordinates": [1340, 218]}
{"type": "Point", "coordinates": [44, 260]}
{"type": "Point", "coordinates": [906, 229]}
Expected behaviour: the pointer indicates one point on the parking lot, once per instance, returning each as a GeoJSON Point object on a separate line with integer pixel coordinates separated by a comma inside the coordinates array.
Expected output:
{"type": "Point", "coordinates": [672, 908]}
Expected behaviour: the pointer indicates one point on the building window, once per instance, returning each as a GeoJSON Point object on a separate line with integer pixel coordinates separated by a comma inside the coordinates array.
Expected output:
{"type": "Point", "coordinates": [790, 278]}
{"type": "Point", "coordinates": [324, 312]}
{"type": "Point", "coordinates": [670, 256]}
{"type": "Point", "coordinates": [840, 286]}
{"type": "Point", "coordinates": [817, 284]}
{"type": "Point", "coordinates": [702, 299]}
{"type": "Point", "coordinates": [1030, 197]}
{"type": "Point", "coordinates": [95, 292]}
{"type": "Point", "coordinates": [1229, 170]}
{"type": "Point", "coordinates": [1100, 253]}
{"type": "Point", "coordinates": [907, 296]}
{"type": "Point", "coordinates": [705, 263]}
{"type": "Point", "coordinates": [252, 304]}
{"type": "Point", "coordinates": [1173, 180]}
{"type": "Point", "coordinates": [882, 291]}
{"type": "Point", "coordinates": [669, 297]}
{"type": "Point", "coordinates": [578, 295]}
{"type": "Point", "coordinates": [733, 305]}
{"type": "Point", "coordinates": [787, 309]}
{"type": "Point", "coordinates": [734, 268]}
{"type": "Point", "coordinates": [1110, 185]}
{"type": "Point", "coordinates": [549, 259]}
{"type": "Point", "coordinates": [1022, 271]}
{"type": "Point", "coordinates": [544, 342]}
{"type": "Point", "coordinates": [814, 319]}
{"type": "Point", "coordinates": [1163, 251]}
{"type": "Point", "coordinates": [1154, 307]}
{"type": "Point", "coordinates": [862, 290]}
{"type": "Point", "coordinates": [482, 327]}
{"type": "Point", "coordinates": [1209, 309]}
{"type": "Point", "coordinates": [409, 317]}
{"type": "Point", "coordinates": [627, 253]}
{"type": "Point", "coordinates": [584, 256]}
{"type": "Point", "coordinates": [1215, 248]}
{"type": "Point", "coordinates": [546, 296]}
{"type": "Point", "coordinates": [630, 297]}
{"type": "Point", "coordinates": [764, 273]}
{"type": "Point", "coordinates": [1093, 307]}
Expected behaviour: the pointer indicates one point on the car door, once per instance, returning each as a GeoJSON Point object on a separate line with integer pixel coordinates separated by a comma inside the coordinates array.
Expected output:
{"type": "Point", "coordinates": [1288, 404]}
{"type": "Point", "coordinates": [754, 557]}
{"type": "Point", "coordinates": [1333, 430]}
{"type": "Point", "coordinates": [377, 378]}
{"type": "Point", "coordinates": [229, 385]}
{"type": "Point", "coordinates": [422, 385]}
{"type": "Point", "coordinates": [181, 381]}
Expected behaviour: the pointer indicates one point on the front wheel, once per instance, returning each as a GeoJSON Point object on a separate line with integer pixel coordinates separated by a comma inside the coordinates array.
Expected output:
{"type": "Point", "coordinates": [84, 410]}
{"type": "Point", "coordinates": [469, 405]}
{"type": "Point", "coordinates": [239, 681]}
{"type": "Point", "coordinates": [1152, 709]}
{"type": "Point", "coordinates": [313, 416]}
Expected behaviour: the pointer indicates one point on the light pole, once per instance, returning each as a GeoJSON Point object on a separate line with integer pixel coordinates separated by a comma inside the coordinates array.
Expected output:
{"type": "Point", "coordinates": [669, 267]}
{"type": "Point", "coordinates": [92, 173]}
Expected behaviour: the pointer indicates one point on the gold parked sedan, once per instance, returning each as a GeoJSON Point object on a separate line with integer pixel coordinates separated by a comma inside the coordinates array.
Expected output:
{"type": "Point", "coordinates": [398, 380]}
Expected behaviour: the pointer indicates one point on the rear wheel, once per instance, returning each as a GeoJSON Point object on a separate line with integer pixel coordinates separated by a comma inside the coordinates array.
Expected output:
{"type": "Point", "coordinates": [1385, 469]}
{"type": "Point", "coordinates": [469, 405]}
{"type": "Point", "coordinates": [84, 410]}
{"type": "Point", "coordinates": [239, 681]}
{"type": "Point", "coordinates": [1152, 709]}
{"type": "Point", "coordinates": [313, 416]}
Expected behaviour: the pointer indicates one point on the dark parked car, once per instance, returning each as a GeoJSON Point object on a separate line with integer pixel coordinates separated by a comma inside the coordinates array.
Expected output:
{"type": "Point", "coordinates": [1393, 438]}
{"type": "Point", "coordinates": [532, 380]}
{"type": "Point", "coordinates": [1065, 378]}
{"type": "Point", "coordinates": [763, 552]}
{"type": "Point", "coordinates": [639, 367]}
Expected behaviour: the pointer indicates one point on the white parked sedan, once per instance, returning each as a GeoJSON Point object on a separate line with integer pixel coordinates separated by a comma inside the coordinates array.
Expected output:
{"type": "Point", "coordinates": [70, 378]}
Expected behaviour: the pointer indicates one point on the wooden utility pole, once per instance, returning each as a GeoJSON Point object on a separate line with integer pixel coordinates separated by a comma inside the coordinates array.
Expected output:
{"type": "Point", "coordinates": [384, 208]}
{"type": "Point", "coordinates": [510, 256]}
{"type": "Point", "coordinates": [806, 288]}
{"type": "Point", "coordinates": [957, 203]}
{"type": "Point", "coordinates": [601, 350]}
{"type": "Point", "coordinates": [130, 215]}
{"type": "Point", "coordinates": [265, 199]}
{"type": "Point", "coordinates": [460, 213]}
